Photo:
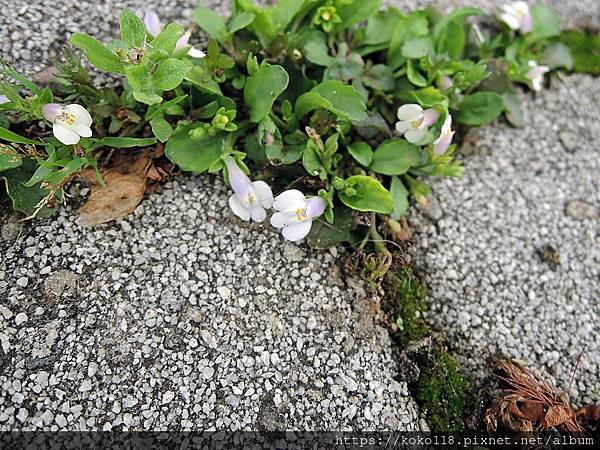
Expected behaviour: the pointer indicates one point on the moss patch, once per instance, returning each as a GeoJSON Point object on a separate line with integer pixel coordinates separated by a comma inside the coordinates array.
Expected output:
{"type": "Point", "coordinates": [441, 391]}
{"type": "Point", "coordinates": [585, 50]}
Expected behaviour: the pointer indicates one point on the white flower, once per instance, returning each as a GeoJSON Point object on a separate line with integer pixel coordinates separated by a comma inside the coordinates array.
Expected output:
{"type": "Point", "coordinates": [414, 122]}
{"type": "Point", "coordinates": [250, 198]}
{"type": "Point", "coordinates": [536, 75]}
{"type": "Point", "coordinates": [441, 144]}
{"type": "Point", "coordinates": [4, 99]}
{"type": "Point", "coordinates": [517, 17]}
{"type": "Point", "coordinates": [69, 123]}
{"type": "Point", "coordinates": [154, 27]}
{"type": "Point", "coordinates": [296, 213]}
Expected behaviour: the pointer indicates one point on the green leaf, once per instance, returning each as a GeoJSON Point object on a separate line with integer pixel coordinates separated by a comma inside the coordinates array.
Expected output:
{"type": "Point", "coordinates": [452, 39]}
{"type": "Point", "coordinates": [400, 197]}
{"type": "Point", "coordinates": [164, 44]}
{"type": "Point", "coordinates": [124, 142]}
{"type": "Point", "coordinates": [455, 16]}
{"type": "Point", "coordinates": [335, 96]}
{"type": "Point", "coordinates": [240, 21]}
{"type": "Point", "coordinates": [325, 235]}
{"type": "Point", "coordinates": [9, 136]}
{"type": "Point", "coordinates": [262, 88]}
{"type": "Point", "coordinates": [161, 128]}
{"type": "Point", "coordinates": [414, 75]}
{"type": "Point", "coordinates": [479, 108]}
{"type": "Point", "coordinates": [211, 22]}
{"type": "Point", "coordinates": [353, 12]}
{"type": "Point", "coordinates": [59, 176]}
{"type": "Point", "coordinates": [429, 97]}
{"type": "Point", "coordinates": [153, 111]}
{"type": "Point", "coordinates": [169, 74]}
{"type": "Point", "coordinates": [546, 23]}
{"type": "Point", "coordinates": [512, 109]}
{"type": "Point", "coordinates": [395, 157]}
{"type": "Point", "coordinates": [412, 26]}
{"type": "Point", "coordinates": [25, 199]}
{"type": "Point", "coordinates": [148, 98]}
{"type": "Point", "coordinates": [97, 54]}
{"type": "Point", "coordinates": [284, 11]}
{"type": "Point", "coordinates": [194, 155]}
{"type": "Point", "coordinates": [9, 158]}
{"type": "Point", "coordinates": [585, 50]}
{"type": "Point", "coordinates": [133, 30]}
{"type": "Point", "coordinates": [315, 48]}
{"type": "Point", "coordinates": [311, 161]}
{"type": "Point", "coordinates": [369, 195]}
{"type": "Point", "coordinates": [557, 56]}
{"type": "Point", "coordinates": [379, 77]}
{"type": "Point", "coordinates": [380, 27]}
{"type": "Point", "coordinates": [417, 48]}
{"type": "Point", "coordinates": [361, 152]}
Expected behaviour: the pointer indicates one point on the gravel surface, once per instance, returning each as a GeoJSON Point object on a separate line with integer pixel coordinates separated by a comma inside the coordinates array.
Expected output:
{"type": "Point", "coordinates": [184, 317]}
{"type": "Point", "coordinates": [483, 244]}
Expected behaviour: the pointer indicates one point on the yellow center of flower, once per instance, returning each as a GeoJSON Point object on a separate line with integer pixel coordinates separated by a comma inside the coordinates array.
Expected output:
{"type": "Point", "coordinates": [251, 199]}
{"type": "Point", "coordinates": [416, 123]}
{"type": "Point", "coordinates": [301, 214]}
{"type": "Point", "coordinates": [65, 118]}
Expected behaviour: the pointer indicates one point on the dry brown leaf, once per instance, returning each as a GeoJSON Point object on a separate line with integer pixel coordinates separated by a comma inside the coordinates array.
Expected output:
{"type": "Point", "coordinates": [557, 415]}
{"type": "Point", "coordinates": [116, 200]}
{"type": "Point", "coordinates": [125, 185]}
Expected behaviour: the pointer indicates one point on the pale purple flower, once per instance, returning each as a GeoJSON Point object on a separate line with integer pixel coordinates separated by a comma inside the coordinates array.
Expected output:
{"type": "Point", "coordinates": [154, 27]}
{"type": "Point", "coordinates": [4, 99]}
{"type": "Point", "coordinates": [152, 23]}
{"type": "Point", "coordinates": [296, 213]}
{"type": "Point", "coordinates": [536, 75]}
{"type": "Point", "coordinates": [250, 198]}
{"type": "Point", "coordinates": [69, 123]}
{"type": "Point", "coordinates": [414, 122]}
{"type": "Point", "coordinates": [446, 83]}
{"type": "Point", "coordinates": [517, 16]}
{"type": "Point", "coordinates": [441, 144]}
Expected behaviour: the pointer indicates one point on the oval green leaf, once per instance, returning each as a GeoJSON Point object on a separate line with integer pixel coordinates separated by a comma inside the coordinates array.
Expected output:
{"type": "Point", "coordinates": [370, 195]}
{"type": "Point", "coordinates": [395, 157]}
{"type": "Point", "coordinates": [479, 108]}
{"type": "Point", "coordinates": [194, 155]}
{"type": "Point", "coordinates": [262, 88]}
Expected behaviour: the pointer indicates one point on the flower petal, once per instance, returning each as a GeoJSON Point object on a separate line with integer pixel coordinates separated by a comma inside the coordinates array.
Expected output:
{"type": "Point", "coordinates": [152, 23]}
{"type": "Point", "coordinates": [527, 24]}
{"type": "Point", "coordinates": [81, 130]}
{"type": "Point", "coordinates": [510, 20]}
{"type": "Point", "coordinates": [403, 126]}
{"type": "Point", "coordinates": [4, 99]}
{"type": "Point", "coordinates": [442, 143]}
{"type": "Point", "coordinates": [263, 193]}
{"type": "Point", "coordinates": [183, 40]}
{"type": "Point", "coordinates": [239, 181]}
{"type": "Point", "coordinates": [81, 114]}
{"type": "Point", "coordinates": [316, 207]}
{"type": "Point", "coordinates": [195, 53]}
{"type": "Point", "coordinates": [51, 111]}
{"type": "Point", "coordinates": [64, 134]}
{"type": "Point", "coordinates": [290, 199]}
{"type": "Point", "coordinates": [430, 116]}
{"type": "Point", "coordinates": [282, 219]}
{"type": "Point", "coordinates": [258, 213]}
{"type": "Point", "coordinates": [412, 111]}
{"type": "Point", "coordinates": [415, 135]}
{"type": "Point", "coordinates": [297, 231]}
{"type": "Point", "coordinates": [238, 208]}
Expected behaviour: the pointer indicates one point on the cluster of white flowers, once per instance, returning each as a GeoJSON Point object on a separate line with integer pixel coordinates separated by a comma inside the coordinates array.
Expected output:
{"type": "Point", "coordinates": [250, 200]}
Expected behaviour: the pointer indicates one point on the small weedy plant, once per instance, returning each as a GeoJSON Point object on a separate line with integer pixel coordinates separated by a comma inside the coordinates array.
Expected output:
{"type": "Point", "coordinates": [340, 108]}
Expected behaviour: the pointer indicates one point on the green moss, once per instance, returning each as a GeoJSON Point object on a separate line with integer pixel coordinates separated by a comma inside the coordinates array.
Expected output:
{"type": "Point", "coordinates": [585, 50]}
{"type": "Point", "coordinates": [441, 391]}
{"type": "Point", "coordinates": [409, 298]}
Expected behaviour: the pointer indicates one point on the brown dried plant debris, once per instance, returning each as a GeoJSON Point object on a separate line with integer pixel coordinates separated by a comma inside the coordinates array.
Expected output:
{"type": "Point", "coordinates": [526, 403]}
{"type": "Point", "coordinates": [126, 181]}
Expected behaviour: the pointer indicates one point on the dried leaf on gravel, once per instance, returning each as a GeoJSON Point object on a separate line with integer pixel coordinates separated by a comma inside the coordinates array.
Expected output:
{"type": "Point", "coordinates": [124, 190]}
{"type": "Point", "coordinates": [525, 402]}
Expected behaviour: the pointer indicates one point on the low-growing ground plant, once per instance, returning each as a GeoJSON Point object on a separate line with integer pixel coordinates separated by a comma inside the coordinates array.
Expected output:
{"type": "Point", "coordinates": [333, 113]}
